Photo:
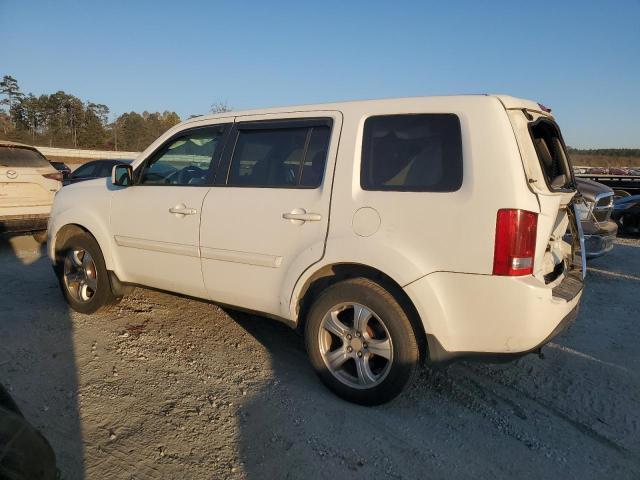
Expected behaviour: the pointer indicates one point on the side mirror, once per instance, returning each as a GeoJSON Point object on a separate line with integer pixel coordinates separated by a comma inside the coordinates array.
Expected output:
{"type": "Point", "coordinates": [122, 175]}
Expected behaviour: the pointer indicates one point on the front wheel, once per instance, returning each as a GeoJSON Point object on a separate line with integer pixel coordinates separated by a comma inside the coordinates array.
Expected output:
{"type": "Point", "coordinates": [83, 275]}
{"type": "Point", "coordinates": [361, 342]}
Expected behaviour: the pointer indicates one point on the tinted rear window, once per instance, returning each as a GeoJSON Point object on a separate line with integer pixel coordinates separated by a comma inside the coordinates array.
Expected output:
{"type": "Point", "coordinates": [419, 153]}
{"type": "Point", "coordinates": [21, 157]}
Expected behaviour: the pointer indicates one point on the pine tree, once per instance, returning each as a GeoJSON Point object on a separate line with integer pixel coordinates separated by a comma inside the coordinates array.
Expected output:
{"type": "Point", "coordinates": [10, 89]}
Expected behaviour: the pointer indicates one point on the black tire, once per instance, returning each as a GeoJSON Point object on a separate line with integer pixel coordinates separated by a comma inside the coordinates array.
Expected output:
{"type": "Point", "coordinates": [103, 294]}
{"type": "Point", "coordinates": [405, 353]}
{"type": "Point", "coordinates": [630, 224]}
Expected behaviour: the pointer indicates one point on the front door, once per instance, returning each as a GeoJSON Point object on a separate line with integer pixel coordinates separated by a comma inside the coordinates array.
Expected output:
{"type": "Point", "coordinates": [156, 221]}
{"type": "Point", "coordinates": [266, 220]}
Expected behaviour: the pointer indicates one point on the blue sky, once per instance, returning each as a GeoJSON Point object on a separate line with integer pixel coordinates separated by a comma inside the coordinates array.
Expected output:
{"type": "Point", "coordinates": [581, 58]}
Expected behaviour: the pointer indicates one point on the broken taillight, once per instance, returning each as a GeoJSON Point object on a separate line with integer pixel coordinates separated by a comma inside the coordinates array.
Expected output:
{"type": "Point", "coordinates": [515, 242]}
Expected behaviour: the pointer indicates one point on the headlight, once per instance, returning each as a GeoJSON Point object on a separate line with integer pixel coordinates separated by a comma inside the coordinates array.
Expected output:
{"type": "Point", "coordinates": [583, 209]}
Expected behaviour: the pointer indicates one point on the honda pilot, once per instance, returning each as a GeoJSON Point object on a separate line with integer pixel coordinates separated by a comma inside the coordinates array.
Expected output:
{"type": "Point", "coordinates": [350, 222]}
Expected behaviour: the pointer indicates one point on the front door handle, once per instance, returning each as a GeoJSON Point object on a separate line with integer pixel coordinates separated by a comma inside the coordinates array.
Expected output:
{"type": "Point", "coordinates": [182, 209]}
{"type": "Point", "coordinates": [300, 215]}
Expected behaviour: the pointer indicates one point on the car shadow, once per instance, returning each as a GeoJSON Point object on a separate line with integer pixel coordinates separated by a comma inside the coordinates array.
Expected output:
{"type": "Point", "coordinates": [37, 355]}
{"type": "Point", "coordinates": [533, 417]}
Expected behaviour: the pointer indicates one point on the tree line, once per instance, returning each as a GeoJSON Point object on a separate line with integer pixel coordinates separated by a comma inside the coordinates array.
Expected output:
{"type": "Point", "coordinates": [63, 120]}
{"type": "Point", "coordinates": [607, 152]}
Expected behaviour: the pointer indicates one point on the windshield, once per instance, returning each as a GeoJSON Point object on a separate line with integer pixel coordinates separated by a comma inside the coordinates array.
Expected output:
{"type": "Point", "coordinates": [21, 157]}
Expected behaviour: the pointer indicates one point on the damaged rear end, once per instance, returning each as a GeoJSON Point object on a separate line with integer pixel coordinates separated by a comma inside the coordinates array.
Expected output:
{"type": "Point", "coordinates": [558, 259]}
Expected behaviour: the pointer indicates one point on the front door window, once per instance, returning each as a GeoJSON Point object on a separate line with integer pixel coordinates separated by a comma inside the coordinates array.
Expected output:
{"type": "Point", "coordinates": [185, 160]}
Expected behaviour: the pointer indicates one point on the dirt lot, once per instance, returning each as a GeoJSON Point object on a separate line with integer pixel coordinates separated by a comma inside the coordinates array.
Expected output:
{"type": "Point", "coordinates": [165, 387]}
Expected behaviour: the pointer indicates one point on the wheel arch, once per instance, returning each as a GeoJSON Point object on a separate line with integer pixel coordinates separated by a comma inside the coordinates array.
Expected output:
{"type": "Point", "coordinates": [61, 234]}
{"type": "Point", "coordinates": [64, 233]}
{"type": "Point", "coordinates": [330, 274]}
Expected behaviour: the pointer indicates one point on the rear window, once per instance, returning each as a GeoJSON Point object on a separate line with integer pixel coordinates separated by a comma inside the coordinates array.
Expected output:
{"type": "Point", "coordinates": [418, 153]}
{"type": "Point", "coordinates": [551, 152]}
{"type": "Point", "coordinates": [21, 157]}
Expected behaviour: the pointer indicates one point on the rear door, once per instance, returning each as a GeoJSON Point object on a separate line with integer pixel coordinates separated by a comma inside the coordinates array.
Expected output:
{"type": "Point", "coordinates": [27, 179]}
{"type": "Point", "coordinates": [265, 221]}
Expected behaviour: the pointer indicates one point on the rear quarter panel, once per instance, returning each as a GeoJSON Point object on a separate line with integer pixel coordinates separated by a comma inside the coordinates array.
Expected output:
{"type": "Point", "coordinates": [425, 232]}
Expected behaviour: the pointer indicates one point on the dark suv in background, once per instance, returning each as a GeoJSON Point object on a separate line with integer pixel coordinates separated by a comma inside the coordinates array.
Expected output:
{"type": "Point", "coordinates": [93, 169]}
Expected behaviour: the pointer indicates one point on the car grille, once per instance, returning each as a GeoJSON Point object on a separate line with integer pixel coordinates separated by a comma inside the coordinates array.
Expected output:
{"type": "Point", "coordinates": [603, 207]}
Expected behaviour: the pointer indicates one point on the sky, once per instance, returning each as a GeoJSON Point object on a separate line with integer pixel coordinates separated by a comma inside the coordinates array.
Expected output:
{"type": "Point", "coordinates": [581, 58]}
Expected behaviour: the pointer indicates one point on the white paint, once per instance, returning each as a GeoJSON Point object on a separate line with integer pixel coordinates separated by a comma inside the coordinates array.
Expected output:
{"type": "Point", "coordinates": [438, 246]}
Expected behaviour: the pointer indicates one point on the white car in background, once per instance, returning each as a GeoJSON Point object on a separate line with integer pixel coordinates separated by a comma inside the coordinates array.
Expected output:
{"type": "Point", "coordinates": [28, 184]}
{"type": "Point", "coordinates": [386, 230]}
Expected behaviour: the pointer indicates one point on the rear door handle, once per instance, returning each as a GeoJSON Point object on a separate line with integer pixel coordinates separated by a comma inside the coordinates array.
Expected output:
{"type": "Point", "coordinates": [300, 215]}
{"type": "Point", "coordinates": [183, 210]}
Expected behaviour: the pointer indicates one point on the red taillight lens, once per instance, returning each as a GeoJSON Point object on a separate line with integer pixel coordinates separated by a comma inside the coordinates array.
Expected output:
{"type": "Point", "coordinates": [53, 176]}
{"type": "Point", "coordinates": [515, 242]}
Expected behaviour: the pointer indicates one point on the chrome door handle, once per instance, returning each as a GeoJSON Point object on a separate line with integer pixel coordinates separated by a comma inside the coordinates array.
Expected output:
{"type": "Point", "coordinates": [183, 210]}
{"type": "Point", "coordinates": [301, 215]}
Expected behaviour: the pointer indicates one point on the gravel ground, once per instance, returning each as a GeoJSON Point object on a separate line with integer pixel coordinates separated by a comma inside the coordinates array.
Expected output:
{"type": "Point", "coordinates": [164, 387]}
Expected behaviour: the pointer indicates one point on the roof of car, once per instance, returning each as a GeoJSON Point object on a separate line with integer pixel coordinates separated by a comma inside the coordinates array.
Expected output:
{"type": "Point", "coordinates": [111, 160]}
{"type": "Point", "coordinates": [11, 143]}
{"type": "Point", "coordinates": [507, 101]}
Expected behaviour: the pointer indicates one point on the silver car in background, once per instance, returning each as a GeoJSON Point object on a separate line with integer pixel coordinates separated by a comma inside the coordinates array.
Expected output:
{"type": "Point", "coordinates": [595, 215]}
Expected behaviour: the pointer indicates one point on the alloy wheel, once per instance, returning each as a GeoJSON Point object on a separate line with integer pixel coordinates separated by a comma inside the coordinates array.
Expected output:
{"type": "Point", "coordinates": [355, 345]}
{"type": "Point", "coordinates": [80, 275]}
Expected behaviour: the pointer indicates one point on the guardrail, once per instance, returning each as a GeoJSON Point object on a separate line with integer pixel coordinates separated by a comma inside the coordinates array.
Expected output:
{"type": "Point", "coordinates": [85, 154]}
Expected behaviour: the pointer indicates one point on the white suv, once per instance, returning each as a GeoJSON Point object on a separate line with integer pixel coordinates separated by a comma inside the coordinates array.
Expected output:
{"type": "Point", "coordinates": [388, 230]}
{"type": "Point", "coordinates": [28, 184]}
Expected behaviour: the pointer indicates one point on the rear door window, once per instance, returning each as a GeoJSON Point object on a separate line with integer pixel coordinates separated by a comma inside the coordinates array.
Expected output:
{"type": "Point", "coordinates": [21, 157]}
{"type": "Point", "coordinates": [282, 157]}
{"type": "Point", "coordinates": [416, 152]}
{"type": "Point", "coordinates": [316, 158]}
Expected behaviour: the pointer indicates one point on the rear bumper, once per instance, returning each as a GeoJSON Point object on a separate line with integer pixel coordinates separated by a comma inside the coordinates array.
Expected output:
{"type": "Point", "coordinates": [438, 355]}
{"type": "Point", "coordinates": [492, 317]}
{"type": "Point", "coordinates": [23, 223]}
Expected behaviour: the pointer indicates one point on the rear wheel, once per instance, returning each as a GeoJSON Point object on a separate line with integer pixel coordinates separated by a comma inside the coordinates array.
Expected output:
{"type": "Point", "coordinates": [361, 342]}
{"type": "Point", "coordinates": [83, 275]}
